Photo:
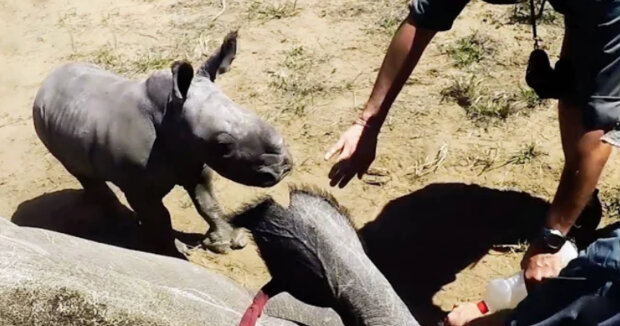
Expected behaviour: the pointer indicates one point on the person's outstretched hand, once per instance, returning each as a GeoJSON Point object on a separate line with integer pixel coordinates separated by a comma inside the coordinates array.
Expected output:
{"type": "Point", "coordinates": [356, 148]}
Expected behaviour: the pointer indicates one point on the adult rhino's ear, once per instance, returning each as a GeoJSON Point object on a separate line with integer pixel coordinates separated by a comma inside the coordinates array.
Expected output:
{"type": "Point", "coordinates": [220, 61]}
{"type": "Point", "coordinates": [182, 74]}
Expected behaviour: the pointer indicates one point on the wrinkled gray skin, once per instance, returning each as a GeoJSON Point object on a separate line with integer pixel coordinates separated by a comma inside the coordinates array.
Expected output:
{"type": "Point", "coordinates": [49, 278]}
{"type": "Point", "coordinates": [313, 252]}
{"type": "Point", "coordinates": [148, 136]}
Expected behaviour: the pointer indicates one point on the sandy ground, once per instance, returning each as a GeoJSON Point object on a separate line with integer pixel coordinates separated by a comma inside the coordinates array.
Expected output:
{"type": "Point", "coordinates": [308, 74]}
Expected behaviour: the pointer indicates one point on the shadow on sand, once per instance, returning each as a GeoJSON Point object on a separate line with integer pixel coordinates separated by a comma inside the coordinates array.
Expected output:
{"type": "Point", "coordinates": [70, 211]}
{"type": "Point", "coordinates": [422, 240]}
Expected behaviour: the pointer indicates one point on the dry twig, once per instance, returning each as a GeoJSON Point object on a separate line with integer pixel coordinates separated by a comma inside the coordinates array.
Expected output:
{"type": "Point", "coordinates": [221, 11]}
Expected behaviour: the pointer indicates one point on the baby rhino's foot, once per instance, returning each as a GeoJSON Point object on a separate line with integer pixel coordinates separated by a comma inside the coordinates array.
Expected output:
{"type": "Point", "coordinates": [223, 240]}
{"type": "Point", "coordinates": [238, 239]}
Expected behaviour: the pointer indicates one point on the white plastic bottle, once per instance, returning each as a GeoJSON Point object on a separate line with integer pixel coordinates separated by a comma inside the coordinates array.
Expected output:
{"type": "Point", "coordinates": [507, 293]}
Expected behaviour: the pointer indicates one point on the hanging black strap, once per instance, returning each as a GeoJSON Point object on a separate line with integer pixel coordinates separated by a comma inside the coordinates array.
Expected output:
{"type": "Point", "coordinates": [533, 17]}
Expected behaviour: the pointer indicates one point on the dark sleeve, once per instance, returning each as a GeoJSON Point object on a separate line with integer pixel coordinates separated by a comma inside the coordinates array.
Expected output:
{"type": "Point", "coordinates": [436, 15]}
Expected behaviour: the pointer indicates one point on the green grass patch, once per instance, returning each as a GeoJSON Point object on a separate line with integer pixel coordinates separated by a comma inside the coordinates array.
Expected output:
{"type": "Point", "coordinates": [463, 91]}
{"type": "Point", "coordinates": [525, 155]}
{"type": "Point", "coordinates": [528, 97]}
{"type": "Point", "coordinates": [481, 105]}
{"type": "Point", "coordinates": [486, 108]}
{"type": "Point", "coordinates": [470, 49]}
{"type": "Point", "coordinates": [520, 14]}
{"type": "Point", "coordinates": [150, 62]}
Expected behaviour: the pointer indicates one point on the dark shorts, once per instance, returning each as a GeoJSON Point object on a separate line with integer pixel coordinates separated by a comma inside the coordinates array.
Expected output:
{"type": "Point", "coordinates": [593, 54]}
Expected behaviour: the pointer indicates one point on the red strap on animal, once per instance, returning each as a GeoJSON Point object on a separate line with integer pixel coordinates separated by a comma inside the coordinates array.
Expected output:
{"type": "Point", "coordinates": [255, 310]}
{"type": "Point", "coordinates": [482, 306]}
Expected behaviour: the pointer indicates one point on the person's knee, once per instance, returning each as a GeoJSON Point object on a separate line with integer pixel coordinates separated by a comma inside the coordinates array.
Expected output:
{"type": "Point", "coordinates": [591, 150]}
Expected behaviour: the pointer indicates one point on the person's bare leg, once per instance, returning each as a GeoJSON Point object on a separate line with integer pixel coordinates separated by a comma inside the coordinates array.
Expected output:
{"type": "Point", "coordinates": [585, 157]}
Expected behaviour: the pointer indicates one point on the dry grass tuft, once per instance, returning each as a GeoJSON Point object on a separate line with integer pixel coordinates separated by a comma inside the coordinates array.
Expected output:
{"type": "Point", "coordinates": [525, 155]}
{"type": "Point", "coordinates": [271, 10]}
{"type": "Point", "coordinates": [520, 14]}
{"type": "Point", "coordinates": [482, 105]}
{"type": "Point", "coordinates": [471, 49]}
{"type": "Point", "coordinates": [109, 58]}
{"type": "Point", "coordinates": [464, 91]}
{"type": "Point", "coordinates": [298, 79]}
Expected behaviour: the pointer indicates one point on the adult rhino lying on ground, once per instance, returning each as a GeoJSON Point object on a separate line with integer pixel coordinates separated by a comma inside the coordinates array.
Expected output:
{"type": "Point", "coordinates": [148, 136]}
{"type": "Point", "coordinates": [49, 278]}
{"type": "Point", "coordinates": [313, 252]}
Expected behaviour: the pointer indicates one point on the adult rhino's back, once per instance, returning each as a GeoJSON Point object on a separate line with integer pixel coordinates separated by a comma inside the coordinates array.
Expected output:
{"type": "Point", "coordinates": [97, 284]}
{"type": "Point", "coordinates": [93, 121]}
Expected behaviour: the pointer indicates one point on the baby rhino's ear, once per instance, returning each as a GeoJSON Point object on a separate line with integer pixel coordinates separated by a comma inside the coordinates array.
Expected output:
{"type": "Point", "coordinates": [220, 61]}
{"type": "Point", "coordinates": [182, 75]}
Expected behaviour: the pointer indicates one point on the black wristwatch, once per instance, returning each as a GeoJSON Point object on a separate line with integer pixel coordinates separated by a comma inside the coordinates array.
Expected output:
{"type": "Point", "coordinates": [551, 240]}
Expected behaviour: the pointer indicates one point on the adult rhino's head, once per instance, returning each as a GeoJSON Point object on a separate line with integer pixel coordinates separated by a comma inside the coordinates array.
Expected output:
{"type": "Point", "coordinates": [313, 252]}
{"type": "Point", "coordinates": [232, 140]}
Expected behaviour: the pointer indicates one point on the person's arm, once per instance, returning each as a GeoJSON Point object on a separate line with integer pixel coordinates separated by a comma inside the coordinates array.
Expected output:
{"type": "Point", "coordinates": [585, 156]}
{"type": "Point", "coordinates": [357, 145]}
{"type": "Point", "coordinates": [402, 56]}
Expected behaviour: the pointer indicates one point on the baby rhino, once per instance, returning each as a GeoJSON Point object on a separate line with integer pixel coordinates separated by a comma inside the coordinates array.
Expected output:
{"type": "Point", "coordinates": [148, 136]}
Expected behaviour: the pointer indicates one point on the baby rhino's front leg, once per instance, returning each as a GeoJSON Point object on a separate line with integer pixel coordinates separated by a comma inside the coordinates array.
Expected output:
{"type": "Point", "coordinates": [156, 230]}
{"type": "Point", "coordinates": [221, 236]}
